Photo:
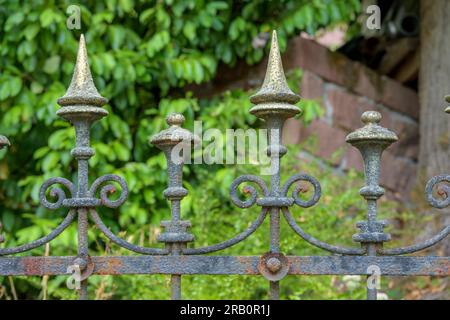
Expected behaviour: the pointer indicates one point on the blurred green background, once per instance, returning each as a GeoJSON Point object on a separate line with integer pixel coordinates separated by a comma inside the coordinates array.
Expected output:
{"type": "Point", "coordinates": [143, 54]}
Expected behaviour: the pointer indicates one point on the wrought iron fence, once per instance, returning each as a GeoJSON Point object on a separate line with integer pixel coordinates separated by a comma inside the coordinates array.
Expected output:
{"type": "Point", "coordinates": [274, 103]}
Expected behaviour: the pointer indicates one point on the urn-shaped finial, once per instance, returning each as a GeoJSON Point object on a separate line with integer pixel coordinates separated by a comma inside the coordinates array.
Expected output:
{"type": "Point", "coordinates": [175, 134]}
{"type": "Point", "coordinates": [371, 140]}
{"type": "Point", "coordinates": [372, 132]}
{"type": "Point", "coordinates": [175, 230]}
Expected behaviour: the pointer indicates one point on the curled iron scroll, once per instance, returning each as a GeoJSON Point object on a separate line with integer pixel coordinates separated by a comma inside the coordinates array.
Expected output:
{"type": "Point", "coordinates": [444, 189]}
{"type": "Point", "coordinates": [56, 192]}
{"type": "Point", "coordinates": [41, 241]}
{"type": "Point", "coordinates": [121, 242]}
{"type": "Point", "coordinates": [295, 193]}
{"type": "Point", "coordinates": [248, 190]}
{"type": "Point", "coordinates": [230, 242]}
{"type": "Point", "coordinates": [315, 242]}
{"type": "Point", "coordinates": [108, 189]}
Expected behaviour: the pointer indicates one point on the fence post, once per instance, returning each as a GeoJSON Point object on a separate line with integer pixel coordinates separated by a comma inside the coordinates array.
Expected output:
{"type": "Point", "coordinates": [175, 142]}
{"type": "Point", "coordinates": [371, 140]}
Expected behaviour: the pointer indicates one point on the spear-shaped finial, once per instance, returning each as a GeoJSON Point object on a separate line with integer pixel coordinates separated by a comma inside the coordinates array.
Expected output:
{"type": "Point", "coordinates": [82, 96]}
{"type": "Point", "coordinates": [275, 88]}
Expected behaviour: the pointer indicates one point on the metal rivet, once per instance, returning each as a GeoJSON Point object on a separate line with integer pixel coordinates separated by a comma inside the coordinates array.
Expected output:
{"type": "Point", "coordinates": [273, 264]}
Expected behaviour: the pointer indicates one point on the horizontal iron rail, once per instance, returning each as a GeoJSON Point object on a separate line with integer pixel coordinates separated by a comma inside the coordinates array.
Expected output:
{"type": "Point", "coordinates": [227, 265]}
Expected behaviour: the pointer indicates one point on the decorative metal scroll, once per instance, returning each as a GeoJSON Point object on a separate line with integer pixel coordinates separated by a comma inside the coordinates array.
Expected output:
{"type": "Point", "coordinates": [274, 103]}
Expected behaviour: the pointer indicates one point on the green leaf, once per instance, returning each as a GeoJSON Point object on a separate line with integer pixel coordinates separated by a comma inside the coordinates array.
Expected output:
{"type": "Point", "coordinates": [48, 17]}
{"type": "Point", "coordinates": [14, 20]}
{"type": "Point", "coordinates": [122, 152]}
{"type": "Point", "coordinates": [214, 6]}
{"type": "Point", "coordinates": [4, 90]}
{"type": "Point", "coordinates": [126, 5]}
{"type": "Point", "coordinates": [52, 64]}
{"type": "Point", "coordinates": [15, 86]}
{"type": "Point", "coordinates": [50, 161]}
{"type": "Point", "coordinates": [198, 72]}
{"type": "Point", "coordinates": [146, 15]}
{"type": "Point", "coordinates": [189, 30]}
{"type": "Point", "coordinates": [236, 27]}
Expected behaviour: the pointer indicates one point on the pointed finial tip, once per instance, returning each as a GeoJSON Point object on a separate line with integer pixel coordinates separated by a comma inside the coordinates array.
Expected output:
{"type": "Point", "coordinates": [274, 44]}
{"type": "Point", "coordinates": [275, 87]}
{"type": "Point", "coordinates": [82, 89]}
{"type": "Point", "coordinates": [82, 48]}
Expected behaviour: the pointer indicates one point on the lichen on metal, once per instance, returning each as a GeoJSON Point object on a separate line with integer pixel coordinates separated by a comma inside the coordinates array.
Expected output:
{"type": "Point", "coordinates": [274, 103]}
{"type": "Point", "coordinates": [175, 134]}
{"type": "Point", "coordinates": [371, 140]}
{"type": "Point", "coordinates": [372, 131]}
{"type": "Point", "coordinates": [275, 96]}
{"type": "Point", "coordinates": [82, 90]}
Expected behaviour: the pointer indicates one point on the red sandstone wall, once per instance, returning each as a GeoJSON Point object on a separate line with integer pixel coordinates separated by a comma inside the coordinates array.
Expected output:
{"type": "Point", "coordinates": [346, 89]}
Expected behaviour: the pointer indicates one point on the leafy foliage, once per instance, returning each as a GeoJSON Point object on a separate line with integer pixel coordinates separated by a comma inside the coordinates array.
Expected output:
{"type": "Point", "coordinates": [142, 54]}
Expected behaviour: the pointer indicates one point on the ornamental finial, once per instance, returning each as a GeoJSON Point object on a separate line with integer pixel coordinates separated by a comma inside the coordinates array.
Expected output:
{"type": "Point", "coordinates": [82, 96]}
{"type": "Point", "coordinates": [274, 95]}
{"type": "Point", "coordinates": [174, 134]}
{"type": "Point", "coordinates": [371, 140]}
{"type": "Point", "coordinates": [372, 131]}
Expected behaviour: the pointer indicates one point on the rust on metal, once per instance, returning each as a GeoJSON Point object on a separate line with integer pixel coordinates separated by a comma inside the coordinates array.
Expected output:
{"type": "Point", "coordinates": [274, 103]}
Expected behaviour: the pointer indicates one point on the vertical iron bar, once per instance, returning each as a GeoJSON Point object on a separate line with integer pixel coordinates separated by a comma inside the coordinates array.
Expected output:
{"type": "Point", "coordinates": [371, 292]}
{"type": "Point", "coordinates": [175, 236]}
{"type": "Point", "coordinates": [274, 102]}
{"type": "Point", "coordinates": [371, 247]}
{"type": "Point", "coordinates": [83, 248]}
{"type": "Point", "coordinates": [371, 140]}
{"type": "Point", "coordinates": [175, 280]}
{"type": "Point", "coordinates": [81, 105]}
{"type": "Point", "coordinates": [82, 131]}
{"type": "Point", "coordinates": [175, 180]}
{"type": "Point", "coordinates": [274, 125]}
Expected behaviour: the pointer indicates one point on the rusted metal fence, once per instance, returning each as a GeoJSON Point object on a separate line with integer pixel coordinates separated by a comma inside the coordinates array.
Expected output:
{"type": "Point", "coordinates": [274, 103]}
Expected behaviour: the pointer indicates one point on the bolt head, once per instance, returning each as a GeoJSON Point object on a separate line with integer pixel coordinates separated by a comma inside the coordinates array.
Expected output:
{"type": "Point", "coordinates": [273, 265]}
{"type": "Point", "coordinates": [81, 262]}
